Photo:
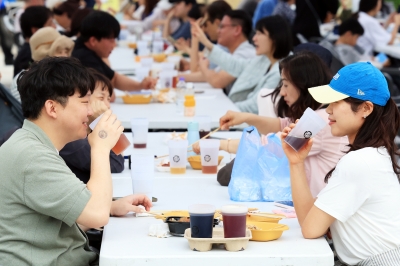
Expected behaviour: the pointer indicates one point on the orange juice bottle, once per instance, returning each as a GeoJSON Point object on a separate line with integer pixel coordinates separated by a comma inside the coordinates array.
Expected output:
{"type": "Point", "coordinates": [190, 105]}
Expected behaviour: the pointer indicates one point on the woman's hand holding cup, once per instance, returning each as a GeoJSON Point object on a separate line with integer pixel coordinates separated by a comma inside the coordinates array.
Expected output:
{"type": "Point", "coordinates": [294, 157]}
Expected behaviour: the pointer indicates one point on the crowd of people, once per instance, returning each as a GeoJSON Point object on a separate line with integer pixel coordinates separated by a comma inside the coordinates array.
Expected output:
{"type": "Point", "coordinates": [267, 56]}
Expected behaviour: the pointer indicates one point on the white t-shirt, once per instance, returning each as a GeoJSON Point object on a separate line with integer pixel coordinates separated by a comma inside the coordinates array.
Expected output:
{"type": "Point", "coordinates": [374, 33]}
{"type": "Point", "coordinates": [363, 195]}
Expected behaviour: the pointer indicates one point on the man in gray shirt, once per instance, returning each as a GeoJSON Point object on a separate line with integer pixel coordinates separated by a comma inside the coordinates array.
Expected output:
{"type": "Point", "coordinates": [45, 209]}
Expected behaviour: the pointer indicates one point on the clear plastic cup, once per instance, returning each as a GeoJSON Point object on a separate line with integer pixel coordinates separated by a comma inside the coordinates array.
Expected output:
{"type": "Point", "coordinates": [166, 79]}
{"type": "Point", "coordinates": [142, 72]}
{"type": "Point", "coordinates": [140, 127]}
{"type": "Point", "coordinates": [209, 149]}
{"type": "Point", "coordinates": [143, 52]}
{"type": "Point", "coordinates": [204, 124]}
{"type": "Point", "coordinates": [175, 59]}
{"type": "Point", "coordinates": [178, 156]}
{"type": "Point", "coordinates": [167, 66]}
{"type": "Point", "coordinates": [122, 143]}
{"type": "Point", "coordinates": [201, 220]}
{"type": "Point", "coordinates": [308, 126]}
{"type": "Point", "coordinates": [147, 62]}
{"type": "Point", "coordinates": [157, 47]}
{"type": "Point", "coordinates": [142, 174]}
{"type": "Point", "coordinates": [234, 217]}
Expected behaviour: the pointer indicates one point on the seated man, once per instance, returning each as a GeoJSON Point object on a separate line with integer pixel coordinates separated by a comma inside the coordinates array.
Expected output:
{"type": "Point", "coordinates": [34, 18]}
{"type": "Point", "coordinates": [96, 42]}
{"type": "Point", "coordinates": [233, 33]}
{"type": "Point", "coordinates": [76, 154]}
{"type": "Point", "coordinates": [44, 206]}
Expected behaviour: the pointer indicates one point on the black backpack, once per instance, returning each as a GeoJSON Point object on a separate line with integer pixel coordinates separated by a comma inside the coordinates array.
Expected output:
{"type": "Point", "coordinates": [11, 117]}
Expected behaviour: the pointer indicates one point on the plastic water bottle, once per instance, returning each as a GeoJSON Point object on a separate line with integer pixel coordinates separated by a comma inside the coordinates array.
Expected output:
{"type": "Point", "coordinates": [180, 95]}
{"type": "Point", "coordinates": [193, 135]}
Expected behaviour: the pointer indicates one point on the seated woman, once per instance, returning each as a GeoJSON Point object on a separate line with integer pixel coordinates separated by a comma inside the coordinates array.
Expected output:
{"type": "Point", "coordinates": [273, 42]}
{"type": "Point", "coordinates": [374, 33]}
{"type": "Point", "coordinates": [76, 154]}
{"type": "Point", "coordinates": [360, 202]}
{"type": "Point", "coordinates": [298, 73]}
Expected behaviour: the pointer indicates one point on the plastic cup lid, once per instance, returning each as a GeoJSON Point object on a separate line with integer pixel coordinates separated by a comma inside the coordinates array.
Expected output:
{"type": "Point", "coordinates": [201, 208]}
{"type": "Point", "coordinates": [234, 209]}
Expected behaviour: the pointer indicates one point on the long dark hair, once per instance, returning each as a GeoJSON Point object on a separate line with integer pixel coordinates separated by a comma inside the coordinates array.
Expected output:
{"type": "Point", "coordinates": [379, 129]}
{"type": "Point", "coordinates": [149, 7]}
{"type": "Point", "coordinates": [304, 70]}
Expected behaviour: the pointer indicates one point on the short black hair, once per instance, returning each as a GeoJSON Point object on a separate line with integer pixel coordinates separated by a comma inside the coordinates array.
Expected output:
{"type": "Point", "coordinates": [367, 5]}
{"type": "Point", "coordinates": [76, 20]}
{"type": "Point", "coordinates": [34, 17]}
{"type": "Point", "coordinates": [100, 78]}
{"type": "Point", "coordinates": [99, 24]}
{"type": "Point", "coordinates": [241, 18]}
{"type": "Point", "coordinates": [279, 32]}
{"type": "Point", "coordinates": [351, 25]}
{"type": "Point", "coordinates": [217, 10]}
{"type": "Point", "coordinates": [52, 78]}
{"type": "Point", "coordinates": [69, 7]}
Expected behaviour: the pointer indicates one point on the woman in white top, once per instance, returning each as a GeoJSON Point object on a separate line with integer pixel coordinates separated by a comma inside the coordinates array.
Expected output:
{"type": "Point", "coordinates": [374, 33]}
{"type": "Point", "coordinates": [360, 203]}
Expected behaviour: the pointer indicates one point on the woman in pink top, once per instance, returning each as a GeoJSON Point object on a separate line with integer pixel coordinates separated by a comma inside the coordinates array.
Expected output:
{"type": "Point", "coordinates": [298, 73]}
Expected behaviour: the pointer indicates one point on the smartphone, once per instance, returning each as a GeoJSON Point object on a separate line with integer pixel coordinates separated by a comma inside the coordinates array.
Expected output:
{"type": "Point", "coordinates": [284, 204]}
{"type": "Point", "coordinates": [381, 58]}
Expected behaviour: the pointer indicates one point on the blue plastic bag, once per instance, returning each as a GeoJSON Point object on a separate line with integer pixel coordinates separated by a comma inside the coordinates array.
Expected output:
{"type": "Point", "coordinates": [260, 173]}
{"type": "Point", "coordinates": [273, 171]}
{"type": "Point", "coordinates": [244, 186]}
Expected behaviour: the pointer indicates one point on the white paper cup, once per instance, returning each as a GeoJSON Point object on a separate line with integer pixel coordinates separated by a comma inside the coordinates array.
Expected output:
{"type": "Point", "coordinates": [308, 126]}
{"type": "Point", "coordinates": [140, 127]}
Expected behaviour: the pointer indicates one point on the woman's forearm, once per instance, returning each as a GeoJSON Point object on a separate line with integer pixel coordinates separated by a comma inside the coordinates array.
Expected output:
{"type": "Point", "coordinates": [230, 146]}
{"type": "Point", "coordinates": [194, 54]}
{"type": "Point", "coordinates": [301, 194]}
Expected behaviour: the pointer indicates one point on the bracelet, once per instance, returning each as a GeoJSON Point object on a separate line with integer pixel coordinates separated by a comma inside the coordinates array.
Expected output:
{"type": "Point", "coordinates": [227, 146]}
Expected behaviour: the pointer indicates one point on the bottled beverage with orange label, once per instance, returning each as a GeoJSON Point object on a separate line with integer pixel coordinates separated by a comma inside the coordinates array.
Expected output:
{"type": "Point", "coordinates": [190, 105]}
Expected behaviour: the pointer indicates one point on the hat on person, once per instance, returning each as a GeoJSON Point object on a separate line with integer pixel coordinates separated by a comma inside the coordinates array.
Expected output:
{"type": "Point", "coordinates": [45, 41]}
{"type": "Point", "coordinates": [164, 5]}
{"type": "Point", "coordinates": [360, 80]}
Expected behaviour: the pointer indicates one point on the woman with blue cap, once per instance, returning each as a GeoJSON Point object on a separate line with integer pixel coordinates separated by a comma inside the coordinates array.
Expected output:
{"type": "Point", "coordinates": [360, 202]}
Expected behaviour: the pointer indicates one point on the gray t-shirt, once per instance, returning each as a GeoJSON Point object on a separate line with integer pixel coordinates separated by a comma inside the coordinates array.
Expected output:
{"type": "Point", "coordinates": [40, 201]}
{"type": "Point", "coordinates": [348, 54]}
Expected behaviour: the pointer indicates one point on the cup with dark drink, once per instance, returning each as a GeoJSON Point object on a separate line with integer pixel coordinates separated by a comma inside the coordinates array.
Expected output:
{"type": "Point", "coordinates": [201, 220]}
{"type": "Point", "coordinates": [209, 149]}
{"type": "Point", "coordinates": [122, 143]}
{"type": "Point", "coordinates": [140, 127]}
{"type": "Point", "coordinates": [308, 126]}
{"type": "Point", "coordinates": [234, 217]}
{"type": "Point", "coordinates": [204, 124]}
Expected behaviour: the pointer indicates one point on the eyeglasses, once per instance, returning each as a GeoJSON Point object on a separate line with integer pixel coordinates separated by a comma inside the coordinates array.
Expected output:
{"type": "Point", "coordinates": [221, 26]}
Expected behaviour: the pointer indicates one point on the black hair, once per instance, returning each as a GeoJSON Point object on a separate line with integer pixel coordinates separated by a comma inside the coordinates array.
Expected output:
{"type": "Point", "coordinates": [279, 32]}
{"type": "Point", "coordinates": [77, 19]}
{"type": "Point", "coordinates": [304, 70]}
{"type": "Point", "coordinates": [367, 5]}
{"type": "Point", "coordinates": [149, 7]}
{"type": "Point", "coordinates": [69, 7]}
{"type": "Point", "coordinates": [99, 24]}
{"type": "Point", "coordinates": [351, 25]}
{"type": "Point", "coordinates": [217, 10]}
{"type": "Point", "coordinates": [379, 129]}
{"type": "Point", "coordinates": [34, 17]}
{"type": "Point", "coordinates": [52, 78]}
{"type": "Point", "coordinates": [242, 19]}
{"type": "Point", "coordinates": [194, 12]}
{"type": "Point", "coordinates": [100, 78]}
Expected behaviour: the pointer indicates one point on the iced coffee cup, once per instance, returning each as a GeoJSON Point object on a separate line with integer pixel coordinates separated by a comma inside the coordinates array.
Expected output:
{"type": "Point", "coordinates": [307, 127]}
{"type": "Point", "coordinates": [140, 127]}
{"type": "Point", "coordinates": [209, 149]}
{"type": "Point", "coordinates": [201, 220]}
{"type": "Point", "coordinates": [234, 217]}
{"type": "Point", "coordinates": [122, 143]}
{"type": "Point", "coordinates": [178, 156]}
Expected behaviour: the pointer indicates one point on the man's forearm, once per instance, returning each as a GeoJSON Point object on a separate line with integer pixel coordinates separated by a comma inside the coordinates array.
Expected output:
{"type": "Point", "coordinates": [124, 83]}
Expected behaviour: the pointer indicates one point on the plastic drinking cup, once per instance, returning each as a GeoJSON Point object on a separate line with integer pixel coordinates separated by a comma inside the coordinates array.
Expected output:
{"type": "Point", "coordinates": [178, 156]}
{"type": "Point", "coordinates": [201, 220]}
{"type": "Point", "coordinates": [234, 217]}
{"type": "Point", "coordinates": [142, 174]}
{"type": "Point", "coordinates": [166, 79]}
{"type": "Point", "coordinates": [158, 47]}
{"type": "Point", "coordinates": [209, 149]}
{"type": "Point", "coordinates": [140, 127]}
{"type": "Point", "coordinates": [122, 143]}
{"type": "Point", "coordinates": [147, 62]}
{"type": "Point", "coordinates": [168, 66]}
{"type": "Point", "coordinates": [176, 59]}
{"type": "Point", "coordinates": [204, 124]}
{"type": "Point", "coordinates": [141, 73]}
{"type": "Point", "coordinates": [308, 126]}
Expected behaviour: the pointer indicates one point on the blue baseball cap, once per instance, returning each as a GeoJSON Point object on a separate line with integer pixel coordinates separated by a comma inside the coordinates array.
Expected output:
{"type": "Point", "coordinates": [360, 80]}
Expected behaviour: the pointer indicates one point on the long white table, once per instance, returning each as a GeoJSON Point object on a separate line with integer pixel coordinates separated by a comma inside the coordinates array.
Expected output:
{"type": "Point", "coordinates": [392, 50]}
{"type": "Point", "coordinates": [212, 102]}
{"type": "Point", "coordinates": [125, 239]}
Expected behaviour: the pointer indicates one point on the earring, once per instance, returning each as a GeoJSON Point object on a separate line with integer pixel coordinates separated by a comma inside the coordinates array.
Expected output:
{"type": "Point", "coordinates": [365, 116]}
